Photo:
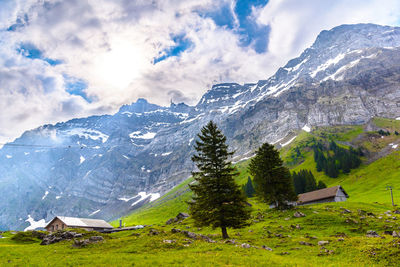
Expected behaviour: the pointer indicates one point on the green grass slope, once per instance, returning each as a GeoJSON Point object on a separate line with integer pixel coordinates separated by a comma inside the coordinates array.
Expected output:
{"type": "Point", "coordinates": [366, 184]}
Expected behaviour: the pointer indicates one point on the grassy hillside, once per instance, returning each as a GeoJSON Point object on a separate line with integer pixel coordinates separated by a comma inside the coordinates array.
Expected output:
{"type": "Point", "coordinates": [294, 241]}
{"type": "Point", "coordinates": [365, 184]}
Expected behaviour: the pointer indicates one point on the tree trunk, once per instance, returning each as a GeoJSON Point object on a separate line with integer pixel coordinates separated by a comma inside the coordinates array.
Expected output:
{"type": "Point", "coordinates": [224, 232]}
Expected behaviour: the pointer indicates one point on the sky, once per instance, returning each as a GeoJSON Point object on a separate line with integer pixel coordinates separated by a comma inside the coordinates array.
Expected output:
{"type": "Point", "coordinates": [74, 58]}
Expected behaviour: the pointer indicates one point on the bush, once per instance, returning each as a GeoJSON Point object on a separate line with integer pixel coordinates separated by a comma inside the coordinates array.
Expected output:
{"type": "Point", "coordinates": [28, 237]}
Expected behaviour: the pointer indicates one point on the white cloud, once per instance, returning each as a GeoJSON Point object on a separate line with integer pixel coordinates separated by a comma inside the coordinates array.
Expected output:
{"type": "Point", "coordinates": [111, 46]}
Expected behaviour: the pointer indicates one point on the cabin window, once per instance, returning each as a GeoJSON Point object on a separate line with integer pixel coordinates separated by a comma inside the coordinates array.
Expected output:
{"type": "Point", "coordinates": [52, 228]}
{"type": "Point", "coordinates": [63, 226]}
{"type": "Point", "coordinates": [56, 226]}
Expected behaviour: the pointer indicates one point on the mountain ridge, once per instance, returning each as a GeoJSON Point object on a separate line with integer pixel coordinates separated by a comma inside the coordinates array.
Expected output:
{"type": "Point", "coordinates": [90, 164]}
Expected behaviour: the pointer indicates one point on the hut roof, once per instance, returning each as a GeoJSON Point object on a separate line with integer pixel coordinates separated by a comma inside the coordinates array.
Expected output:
{"type": "Point", "coordinates": [82, 222]}
{"type": "Point", "coordinates": [320, 194]}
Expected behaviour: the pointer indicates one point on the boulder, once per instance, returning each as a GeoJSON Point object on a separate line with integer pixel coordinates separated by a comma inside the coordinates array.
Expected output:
{"type": "Point", "coordinates": [169, 241]}
{"type": "Point", "coordinates": [266, 248]}
{"type": "Point", "coordinates": [299, 214]}
{"type": "Point", "coordinates": [245, 245]}
{"type": "Point", "coordinates": [305, 243]}
{"type": "Point", "coordinates": [230, 241]}
{"type": "Point", "coordinates": [371, 233]}
{"type": "Point", "coordinates": [323, 243]}
{"type": "Point", "coordinates": [395, 234]}
{"type": "Point", "coordinates": [153, 232]}
{"type": "Point", "coordinates": [96, 238]}
{"type": "Point", "coordinates": [182, 216]}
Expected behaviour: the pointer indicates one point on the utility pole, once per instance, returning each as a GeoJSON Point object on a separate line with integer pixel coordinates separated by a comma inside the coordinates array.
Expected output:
{"type": "Point", "coordinates": [391, 193]}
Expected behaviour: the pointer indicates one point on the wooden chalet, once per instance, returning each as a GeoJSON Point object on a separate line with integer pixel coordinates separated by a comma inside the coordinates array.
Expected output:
{"type": "Point", "coordinates": [62, 222]}
{"type": "Point", "coordinates": [330, 194]}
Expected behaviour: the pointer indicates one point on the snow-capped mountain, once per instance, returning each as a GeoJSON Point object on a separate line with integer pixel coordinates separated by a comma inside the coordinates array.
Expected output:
{"type": "Point", "coordinates": [105, 166]}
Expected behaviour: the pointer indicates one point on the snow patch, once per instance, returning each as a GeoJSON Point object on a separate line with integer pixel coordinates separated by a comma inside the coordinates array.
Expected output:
{"type": "Point", "coordinates": [126, 157]}
{"type": "Point", "coordinates": [8, 156]}
{"type": "Point", "coordinates": [329, 62]}
{"type": "Point", "coordinates": [306, 128]}
{"type": "Point", "coordinates": [88, 134]}
{"type": "Point", "coordinates": [139, 135]}
{"type": "Point", "coordinates": [288, 142]}
{"type": "Point", "coordinates": [143, 196]}
{"type": "Point", "coordinates": [58, 197]}
{"type": "Point", "coordinates": [94, 212]}
{"type": "Point", "coordinates": [45, 195]}
{"type": "Point", "coordinates": [166, 153]}
{"type": "Point", "coordinates": [34, 224]}
{"type": "Point", "coordinates": [26, 153]}
{"type": "Point", "coordinates": [81, 159]}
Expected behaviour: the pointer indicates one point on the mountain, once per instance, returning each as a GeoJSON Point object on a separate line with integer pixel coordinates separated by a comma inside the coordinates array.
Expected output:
{"type": "Point", "coordinates": [105, 166]}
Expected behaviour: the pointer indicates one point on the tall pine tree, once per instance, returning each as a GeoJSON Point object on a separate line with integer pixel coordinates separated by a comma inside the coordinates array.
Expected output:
{"type": "Point", "coordinates": [273, 181]}
{"type": "Point", "coordinates": [218, 201]}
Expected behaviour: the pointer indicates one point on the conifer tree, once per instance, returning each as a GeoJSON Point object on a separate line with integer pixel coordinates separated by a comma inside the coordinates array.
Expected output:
{"type": "Point", "coordinates": [248, 188]}
{"type": "Point", "coordinates": [273, 181]}
{"type": "Point", "coordinates": [321, 185]}
{"type": "Point", "coordinates": [218, 200]}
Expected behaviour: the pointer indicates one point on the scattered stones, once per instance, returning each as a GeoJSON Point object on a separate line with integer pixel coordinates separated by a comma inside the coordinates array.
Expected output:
{"type": "Point", "coordinates": [370, 214]}
{"type": "Point", "coordinates": [395, 234]}
{"type": "Point", "coordinates": [299, 214]}
{"type": "Point", "coordinates": [168, 241]}
{"type": "Point", "coordinates": [279, 235]}
{"type": "Point", "coordinates": [266, 248]}
{"type": "Point", "coordinates": [250, 231]}
{"type": "Point", "coordinates": [352, 221]}
{"type": "Point", "coordinates": [153, 232]}
{"type": "Point", "coordinates": [193, 235]}
{"type": "Point", "coordinates": [284, 253]}
{"type": "Point", "coordinates": [287, 219]}
{"type": "Point", "coordinates": [340, 239]}
{"type": "Point", "coordinates": [323, 243]}
{"type": "Point", "coordinates": [396, 212]}
{"type": "Point", "coordinates": [371, 233]}
{"type": "Point", "coordinates": [345, 210]}
{"type": "Point", "coordinates": [245, 245]}
{"type": "Point", "coordinates": [96, 238]}
{"type": "Point", "coordinates": [325, 252]}
{"type": "Point", "coordinates": [57, 237]}
{"type": "Point", "coordinates": [305, 243]}
{"type": "Point", "coordinates": [230, 241]}
{"type": "Point", "coordinates": [81, 243]}
{"type": "Point", "coordinates": [179, 218]}
{"type": "Point", "coordinates": [388, 212]}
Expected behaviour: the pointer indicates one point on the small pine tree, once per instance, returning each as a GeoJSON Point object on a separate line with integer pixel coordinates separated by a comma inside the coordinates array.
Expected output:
{"type": "Point", "coordinates": [248, 188]}
{"type": "Point", "coordinates": [273, 182]}
{"type": "Point", "coordinates": [217, 200]}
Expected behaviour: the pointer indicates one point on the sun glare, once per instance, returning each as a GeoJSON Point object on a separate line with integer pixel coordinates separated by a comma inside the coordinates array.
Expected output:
{"type": "Point", "coordinates": [118, 67]}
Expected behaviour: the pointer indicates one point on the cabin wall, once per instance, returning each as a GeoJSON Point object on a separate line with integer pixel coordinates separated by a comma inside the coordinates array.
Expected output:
{"type": "Point", "coordinates": [331, 199]}
{"type": "Point", "coordinates": [56, 225]}
{"type": "Point", "coordinates": [340, 196]}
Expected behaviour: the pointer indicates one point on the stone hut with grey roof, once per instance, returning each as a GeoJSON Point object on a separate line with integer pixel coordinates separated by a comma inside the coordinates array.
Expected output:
{"type": "Point", "coordinates": [62, 222]}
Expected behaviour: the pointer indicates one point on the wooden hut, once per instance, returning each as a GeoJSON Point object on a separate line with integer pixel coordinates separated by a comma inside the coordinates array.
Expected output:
{"type": "Point", "coordinates": [62, 222]}
{"type": "Point", "coordinates": [330, 194]}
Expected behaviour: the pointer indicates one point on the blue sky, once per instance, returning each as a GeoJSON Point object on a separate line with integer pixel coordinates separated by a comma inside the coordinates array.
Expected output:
{"type": "Point", "coordinates": [73, 58]}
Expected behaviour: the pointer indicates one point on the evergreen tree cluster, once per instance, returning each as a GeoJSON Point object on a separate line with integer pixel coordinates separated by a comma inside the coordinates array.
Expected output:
{"type": "Point", "coordinates": [384, 133]}
{"type": "Point", "coordinates": [337, 159]}
{"type": "Point", "coordinates": [304, 181]}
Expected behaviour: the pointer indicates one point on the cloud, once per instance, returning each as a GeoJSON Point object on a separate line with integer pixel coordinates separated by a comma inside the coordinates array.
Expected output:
{"type": "Point", "coordinates": [90, 57]}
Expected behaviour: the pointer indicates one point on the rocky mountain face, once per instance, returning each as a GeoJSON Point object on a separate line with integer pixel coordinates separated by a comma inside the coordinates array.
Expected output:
{"type": "Point", "coordinates": [106, 166]}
